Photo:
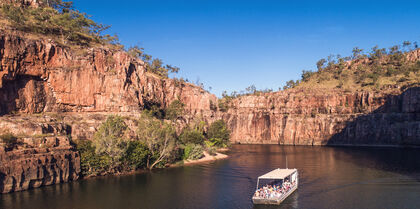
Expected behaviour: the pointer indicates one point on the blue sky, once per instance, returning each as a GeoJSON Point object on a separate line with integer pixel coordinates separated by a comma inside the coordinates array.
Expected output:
{"type": "Point", "coordinates": [230, 44]}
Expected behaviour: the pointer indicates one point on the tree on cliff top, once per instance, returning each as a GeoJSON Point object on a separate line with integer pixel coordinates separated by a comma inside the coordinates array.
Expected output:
{"type": "Point", "coordinates": [379, 69]}
{"type": "Point", "coordinates": [153, 65]}
{"type": "Point", "coordinates": [57, 18]}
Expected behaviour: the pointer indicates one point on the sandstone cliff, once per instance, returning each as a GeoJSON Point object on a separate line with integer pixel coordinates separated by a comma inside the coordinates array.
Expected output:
{"type": "Point", "coordinates": [71, 87]}
{"type": "Point", "coordinates": [40, 76]}
{"type": "Point", "coordinates": [42, 155]}
{"type": "Point", "coordinates": [322, 117]}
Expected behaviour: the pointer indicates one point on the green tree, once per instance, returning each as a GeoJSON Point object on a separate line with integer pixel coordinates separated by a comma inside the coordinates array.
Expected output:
{"type": "Point", "coordinates": [321, 64]}
{"type": "Point", "coordinates": [60, 5]}
{"type": "Point", "coordinates": [406, 45]}
{"type": "Point", "coordinates": [91, 163]}
{"type": "Point", "coordinates": [9, 140]}
{"type": "Point", "coordinates": [109, 139]}
{"type": "Point", "coordinates": [159, 137]}
{"type": "Point", "coordinates": [192, 136]}
{"type": "Point", "coordinates": [377, 52]}
{"type": "Point", "coordinates": [394, 49]}
{"type": "Point", "coordinates": [290, 84]}
{"type": "Point", "coordinates": [156, 66]}
{"type": "Point", "coordinates": [136, 52]}
{"type": "Point", "coordinates": [193, 152]}
{"type": "Point", "coordinates": [219, 133]}
{"type": "Point", "coordinates": [251, 89]}
{"type": "Point", "coordinates": [14, 14]}
{"type": "Point", "coordinates": [306, 75]}
{"type": "Point", "coordinates": [174, 110]}
{"type": "Point", "coordinates": [136, 154]}
{"type": "Point", "coordinates": [172, 69]}
{"type": "Point", "coordinates": [57, 18]}
{"type": "Point", "coordinates": [357, 53]}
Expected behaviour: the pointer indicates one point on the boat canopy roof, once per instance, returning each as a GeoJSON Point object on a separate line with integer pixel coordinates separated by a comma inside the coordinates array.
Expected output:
{"type": "Point", "coordinates": [278, 174]}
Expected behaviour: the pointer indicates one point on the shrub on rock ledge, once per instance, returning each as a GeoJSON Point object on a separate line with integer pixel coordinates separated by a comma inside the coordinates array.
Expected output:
{"type": "Point", "coordinates": [9, 140]}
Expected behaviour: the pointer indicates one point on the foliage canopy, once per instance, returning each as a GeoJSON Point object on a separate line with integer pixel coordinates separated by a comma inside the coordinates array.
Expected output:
{"type": "Point", "coordinates": [60, 19]}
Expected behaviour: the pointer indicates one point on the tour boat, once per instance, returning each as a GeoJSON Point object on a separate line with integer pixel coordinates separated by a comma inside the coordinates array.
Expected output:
{"type": "Point", "coordinates": [281, 184]}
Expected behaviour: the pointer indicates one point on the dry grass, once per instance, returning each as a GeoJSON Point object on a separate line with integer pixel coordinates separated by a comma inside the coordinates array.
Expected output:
{"type": "Point", "coordinates": [366, 77]}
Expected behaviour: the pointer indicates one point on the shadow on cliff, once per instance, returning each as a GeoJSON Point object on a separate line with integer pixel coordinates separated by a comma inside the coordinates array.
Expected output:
{"type": "Point", "coordinates": [397, 122]}
{"type": "Point", "coordinates": [16, 94]}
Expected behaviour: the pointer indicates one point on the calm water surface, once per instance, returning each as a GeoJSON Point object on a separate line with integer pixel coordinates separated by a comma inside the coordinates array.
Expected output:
{"type": "Point", "coordinates": [329, 178]}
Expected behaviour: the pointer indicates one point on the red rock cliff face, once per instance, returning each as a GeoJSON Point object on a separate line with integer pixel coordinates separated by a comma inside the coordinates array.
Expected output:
{"type": "Point", "coordinates": [308, 117]}
{"type": "Point", "coordinates": [39, 76]}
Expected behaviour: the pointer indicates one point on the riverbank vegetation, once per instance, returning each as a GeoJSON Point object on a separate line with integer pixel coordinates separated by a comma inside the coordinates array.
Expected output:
{"type": "Point", "coordinates": [155, 143]}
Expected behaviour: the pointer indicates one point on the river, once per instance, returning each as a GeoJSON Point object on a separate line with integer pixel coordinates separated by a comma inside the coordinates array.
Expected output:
{"type": "Point", "coordinates": [330, 177]}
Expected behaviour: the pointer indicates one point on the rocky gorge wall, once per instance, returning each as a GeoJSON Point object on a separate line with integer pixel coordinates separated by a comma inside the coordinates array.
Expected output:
{"type": "Point", "coordinates": [41, 76]}
{"type": "Point", "coordinates": [42, 155]}
{"type": "Point", "coordinates": [321, 117]}
{"type": "Point", "coordinates": [50, 94]}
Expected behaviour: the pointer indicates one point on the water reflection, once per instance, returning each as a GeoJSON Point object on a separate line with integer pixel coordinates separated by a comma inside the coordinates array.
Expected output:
{"type": "Point", "coordinates": [329, 178]}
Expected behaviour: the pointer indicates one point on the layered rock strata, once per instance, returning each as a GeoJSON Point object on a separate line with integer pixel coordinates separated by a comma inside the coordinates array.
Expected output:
{"type": "Point", "coordinates": [309, 117]}
{"type": "Point", "coordinates": [42, 155]}
{"type": "Point", "coordinates": [40, 76]}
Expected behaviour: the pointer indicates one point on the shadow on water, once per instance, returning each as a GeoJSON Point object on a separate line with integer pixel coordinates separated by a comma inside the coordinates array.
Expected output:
{"type": "Point", "coordinates": [398, 160]}
{"type": "Point", "coordinates": [329, 177]}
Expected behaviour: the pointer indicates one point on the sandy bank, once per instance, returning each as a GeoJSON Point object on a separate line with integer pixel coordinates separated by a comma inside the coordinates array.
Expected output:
{"type": "Point", "coordinates": [207, 158]}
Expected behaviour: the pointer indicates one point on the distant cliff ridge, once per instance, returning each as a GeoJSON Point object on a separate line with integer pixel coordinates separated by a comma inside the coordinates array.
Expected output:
{"type": "Point", "coordinates": [310, 117]}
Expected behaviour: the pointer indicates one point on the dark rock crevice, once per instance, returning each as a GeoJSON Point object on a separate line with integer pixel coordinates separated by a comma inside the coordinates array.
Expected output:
{"type": "Point", "coordinates": [24, 93]}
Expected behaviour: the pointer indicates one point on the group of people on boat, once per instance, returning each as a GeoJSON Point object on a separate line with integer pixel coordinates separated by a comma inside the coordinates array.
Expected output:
{"type": "Point", "coordinates": [275, 190]}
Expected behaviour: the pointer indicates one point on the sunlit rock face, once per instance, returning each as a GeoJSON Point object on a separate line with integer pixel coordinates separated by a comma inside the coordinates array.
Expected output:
{"type": "Point", "coordinates": [39, 76]}
{"type": "Point", "coordinates": [309, 117]}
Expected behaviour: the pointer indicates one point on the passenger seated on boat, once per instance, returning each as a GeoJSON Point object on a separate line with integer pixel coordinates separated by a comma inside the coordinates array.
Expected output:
{"type": "Point", "coordinates": [271, 191]}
